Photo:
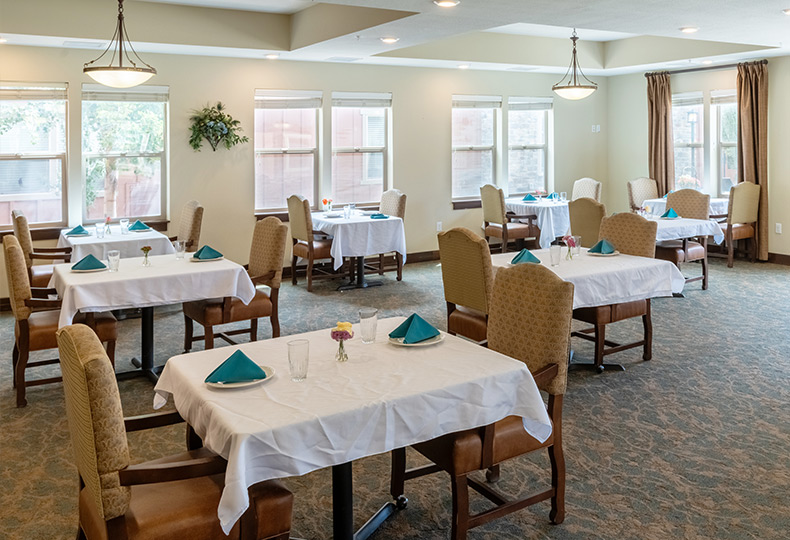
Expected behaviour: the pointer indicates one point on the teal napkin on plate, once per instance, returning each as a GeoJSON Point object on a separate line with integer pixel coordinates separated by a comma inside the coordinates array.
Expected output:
{"type": "Point", "coordinates": [529, 197]}
{"type": "Point", "coordinates": [237, 368]}
{"type": "Point", "coordinates": [79, 229]}
{"type": "Point", "coordinates": [603, 247]}
{"type": "Point", "coordinates": [525, 256]}
{"type": "Point", "coordinates": [414, 329]}
{"type": "Point", "coordinates": [379, 216]}
{"type": "Point", "coordinates": [207, 252]}
{"type": "Point", "coordinates": [553, 196]}
{"type": "Point", "coordinates": [670, 191]}
{"type": "Point", "coordinates": [88, 262]}
{"type": "Point", "coordinates": [138, 226]}
{"type": "Point", "coordinates": [670, 213]}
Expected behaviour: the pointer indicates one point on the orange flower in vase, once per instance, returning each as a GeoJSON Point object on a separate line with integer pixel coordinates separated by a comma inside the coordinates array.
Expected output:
{"type": "Point", "coordinates": [146, 250]}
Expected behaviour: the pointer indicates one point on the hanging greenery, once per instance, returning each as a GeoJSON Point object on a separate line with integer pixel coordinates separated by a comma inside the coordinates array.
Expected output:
{"type": "Point", "coordinates": [216, 126]}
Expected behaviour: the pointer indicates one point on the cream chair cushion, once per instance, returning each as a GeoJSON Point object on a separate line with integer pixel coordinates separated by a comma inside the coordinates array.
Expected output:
{"type": "Point", "coordinates": [586, 187]}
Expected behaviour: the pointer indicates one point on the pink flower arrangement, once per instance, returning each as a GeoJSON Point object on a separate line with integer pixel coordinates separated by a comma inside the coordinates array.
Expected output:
{"type": "Point", "coordinates": [569, 241]}
{"type": "Point", "coordinates": [342, 331]}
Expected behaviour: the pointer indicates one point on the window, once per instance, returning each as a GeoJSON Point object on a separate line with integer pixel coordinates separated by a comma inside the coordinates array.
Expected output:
{"type": "Point", "coordinates": [528, 128]}
{"type": "Point", "coordinates": [726, 153]}
{"type": "Point", "coordinates": [124, 152]}
{"type": "Point", "coordinates": [474, 143]}
{"type": "Point", "coordinates": [33, 152]}
{"type": "Point", "coordinates": [360, 136]}
{"type": "Point", "coordinates": [286, 147]}
{"type": "Point", "coordinates": [688, 127]}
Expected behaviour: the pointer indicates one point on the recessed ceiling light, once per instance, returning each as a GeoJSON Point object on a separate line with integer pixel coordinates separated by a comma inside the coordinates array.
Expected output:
{"type": "Point", "coordinates": [446, 3]}
{"type": "Point", "coordinates": [689, 29]}
{"type": "Point", "coordinates": [272, 56]}
{"type": "Point", "coordinates": [786, 11]}
{"type": "Point", "coordinates": [389, 40]}
{"type": "Point", "coordinates": [463, 66]}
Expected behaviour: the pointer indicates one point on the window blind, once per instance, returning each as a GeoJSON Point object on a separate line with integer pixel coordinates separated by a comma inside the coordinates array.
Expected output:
{"type": "Point", "coordinates": [530, 104]}
{"type": "Point", "coordinates": [686, 99]}
{"type": "Point", "coordinates": [98, 92]}
{"type": "Point", "coordinates": [720, 97]}
{"type": "Point", "coordinates": [28, 90]}
{"type": "Point", "coordinates": [288, 99]}
{"type": "Point", "coordinates": [477, 102]}
{"type": "Point", "coordinates": [361, 99]}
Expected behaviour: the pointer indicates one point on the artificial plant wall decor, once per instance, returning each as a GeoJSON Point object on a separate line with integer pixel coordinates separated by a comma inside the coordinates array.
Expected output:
{"type": "Point", "coordinates": [216, 126]}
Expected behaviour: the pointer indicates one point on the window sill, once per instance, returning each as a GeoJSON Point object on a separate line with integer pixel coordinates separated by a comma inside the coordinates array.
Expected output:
{"type": "Point", "coordinates": [465, 205]}
{"type": "Point", "coordinates": [53, 233]}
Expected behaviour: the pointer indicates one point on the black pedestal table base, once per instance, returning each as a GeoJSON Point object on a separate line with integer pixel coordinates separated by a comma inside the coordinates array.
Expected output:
{"type": "Point", "coordinates": [146, 361]}
{"type": "Point", "coordinates": [360, 282]}
{"type": "Point", "coordinates": [343, 508]}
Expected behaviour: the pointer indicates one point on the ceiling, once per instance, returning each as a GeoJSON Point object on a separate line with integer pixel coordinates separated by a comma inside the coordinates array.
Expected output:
{"type": "Point", "coordinates": [616, 36]}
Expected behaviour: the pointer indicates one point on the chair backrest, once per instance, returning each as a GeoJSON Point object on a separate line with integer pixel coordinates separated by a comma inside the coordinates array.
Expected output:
{"type": "Point", "coordinates": [586, 187]}
{"type": "Point", "coordinates": [744, 203]}
{"type": "Point", "coordinates": [95, 417]}
{"type": "Point", "coordinates": [300, 219]}
{"type": "Point", "coordinates": [189, 226]}
{"type": "Point", "coordinates": [18, 279]}
{"type": "Point", "coordinates": [467, 273]}
{"type": "Point", "coordinates": [530, 319]}
{"type": "Point", "coordinates": [22, 233]}
{"type": "Point", "coordinates": [268, 249]}
{"type": "Point", "coordinates": [641, 189]}
{"type": "Point", "coordinates": [690, 203]}
{"type": "Point", "coordinates": [393, 203]}
{"type": "Point", "coordinates": [493, 200]}
{"type": "Point", "coordinates": [630, 234]}
{"type": "Point", "coordinates": [586, 215]}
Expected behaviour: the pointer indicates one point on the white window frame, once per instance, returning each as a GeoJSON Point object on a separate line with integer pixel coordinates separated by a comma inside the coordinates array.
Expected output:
{"type": "Point", "coordinates": [695, 98]}
{"type": "Point", "coordinates": [477, 102]}
{"type": "Point", "coordinates": [531, 104]}
{"type": "Point", "coordinates": [34, 91]}
{"type": "Point", "coordinates": [719, 98]}
{"type": "Point", "coordinates": [138, 94]}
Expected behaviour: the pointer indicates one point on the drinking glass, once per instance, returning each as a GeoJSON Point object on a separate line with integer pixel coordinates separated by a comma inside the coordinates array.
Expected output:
{"type": "Point", "coordinates": [180, 248]}
{"type": "Point", "coordinates": [577, 242]}
{"type": "Point", "coordinates": [124, 226]}
{"type": "Point", "coordinates": [352, 208]}
{"type": "Point", "coordinates": [368, 317]}
{"type": "Point", "coordinates": [347, 211]}
{"type": "Point", "coordinates": [563, 196]}
{"type": "Point", "coordinates": [113, 260]}
{"type": "Point", "coordinates": [99, 230]}
{"type": "Point", "coordinates": [298, 358]}
{"type": "Point", "coordinates": [555, 252]}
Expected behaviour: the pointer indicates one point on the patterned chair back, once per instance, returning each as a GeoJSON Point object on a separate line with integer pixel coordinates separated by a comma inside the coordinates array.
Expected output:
{"type": "Point", "coordinates": [530, 319]}
{"type": "Point", "coordinates": [493, 200]}
{"type": "Point", "coordinates": [300, 219]}
{"type": "Point", "coordinates": [586, 187]}
{"type": "Point", "coordinates": [630, 234]}
{"type": "Point", "coordinates": [467, 273]}
{"type": "Point", "coordinates": [18, 280]}
{"type": "Point", "coordinates": [190, 224]}
{"type": "Point", "coordinates": [586, 215]}
{"type": "Point", "coordinates": [393, 203]}
{"type": "Point", "coordinates": [95, 417]}
{"type": "Point", "coordinates": [641, 189]}
{"type": "Point", "coordinates": [744, 203]}
{"type": "Point", "coordinates": [268, 250]}
{"type": "Point", "coordinates": [22, 233]}
{"type": "Point", "coordinates": [690, 203]}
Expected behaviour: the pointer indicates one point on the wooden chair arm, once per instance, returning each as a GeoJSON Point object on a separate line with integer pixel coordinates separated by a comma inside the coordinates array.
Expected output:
{"type": "Point", "coordinates": [64, 249]}
{"type": "Point", "coordinates": [530, 217]}
{"type": "Point", "coordinates": [148, 421]}
{"type": "Point", "coordinates": [41, 292]}
{"type": "Point", "coordinates": [545, 375]}
{"type": "Point", "coordinates": [38, 303]}
{"type": "Point", "coordinates": [172, 238]}
{"type": "Point", "coordinates": [153, 473]}
{"type": "Point", "coordinates": [487, 434]}
{"type": "Point", "coordinates": [51, 256]}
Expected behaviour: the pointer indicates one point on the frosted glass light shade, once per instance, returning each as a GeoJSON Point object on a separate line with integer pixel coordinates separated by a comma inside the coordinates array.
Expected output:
{"type": "Point", "coordinates": [574, 92]}
{"type": "Point", "coordinates": [117, 77]}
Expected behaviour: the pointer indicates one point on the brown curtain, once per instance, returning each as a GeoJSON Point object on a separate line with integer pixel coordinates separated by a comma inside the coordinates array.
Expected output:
{"type": "Point", "coordinates": [752, 85]}
{"type": "Point", "coordinates": [660, 144]}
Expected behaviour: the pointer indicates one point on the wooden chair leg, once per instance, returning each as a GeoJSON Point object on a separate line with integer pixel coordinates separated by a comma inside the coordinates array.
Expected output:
{"type": "Point", "coordinates": [381, 264]}
{"type": "Point", "coordinates": [557, 459]}
{"type": "Point", "coordinates": [705, 273]}
{"type": "Point", "coordinates": [460, 524]}
{"type": "Point", "coordinates": [209, 333]}
{"type": "Point", "coordinates": [188, 333]}
{"type": "Point", "coordinates": [753, 248]}
{"type": "Point", "coordinates": [399, 260]}
{"type": "Point", "coordinates": [492, 474]}
{"type": "Point", "coordinates": [194, 442]}
{"type": "Point", "coordinates": [730, 252]}
{"type": "Point", "coordinates": [111, 352]}
{"type": "Point", "coordinates": [647, 323]}
{"type": "Point", "coordinates": [293, 270]}
{"type": "Point", "coordinates": [310, 274]}
{"type": "Point", "coordinates": [81, 533]}
{"type": "Point", "coordinates": [254, 330]}
{"type": "Point", "coordinates": [600, 342]}
{"type": "Point", "coordinates": [398, 473]}
{"type": "Point", "coordinates": [14, 361]}
{"type": "Point", "coordinates": [21, 365]}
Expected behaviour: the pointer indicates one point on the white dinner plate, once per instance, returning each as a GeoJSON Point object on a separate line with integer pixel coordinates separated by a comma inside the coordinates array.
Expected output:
{"type": "Point", "coordinates": [140, 230]}
{"type": "Point", "coordinates": [205, 260]}
{"type": "Point", "coordinates": [77, 235]}
{"type": "Point", "coordinates": [670, 217]}
{"type": "Point", "coordinates": [427, 342]}
{"type": "Point", "coordinates": [89, 271]}
{"type": "Point", "coordinates": [369, 212]}
{"type": "Point", "coordinates": [604, 254]}
{"type": "Point", "coordinates": [333, 214]}
{"type": "Point", "coordinates": [269, 371]}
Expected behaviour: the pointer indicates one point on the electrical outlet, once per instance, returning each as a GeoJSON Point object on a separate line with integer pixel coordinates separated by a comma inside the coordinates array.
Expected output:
{"type": "Point", "coordinates": [596, 128]}
{"type": "Point", "coordinates": [778, 228]}
{"type": "Point", "coordinates": [438, 226]}
{"type": "Point", "coordinates": [593, 128]}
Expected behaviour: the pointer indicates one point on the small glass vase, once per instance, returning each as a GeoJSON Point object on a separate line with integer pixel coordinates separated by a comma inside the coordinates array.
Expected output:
{"type": "Point", "coordinates": [328, 207]}
{"type": "Point", "coordinates": [569, 255]}
{"type": "Point", "coordinates": [146, 262]}
{"type": "Point", "coordinates": [341, 355]}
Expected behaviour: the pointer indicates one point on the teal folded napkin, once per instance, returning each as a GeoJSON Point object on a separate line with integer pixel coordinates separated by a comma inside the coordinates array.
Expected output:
{"type": "Point", "coordinates": [414, 329]}
{"type": "Point", "coordinates": [525, 256]}
{"type": "Point", "coordinates": [237, 368]}
{"type": "Point", "coordinates": [379, 216]}
{"type": "Point", "coordinates": [138, 226]}
{"type": "Point", "coordinates": [670, 191]}
{"type": "Point", "coordinates": [79, 229]}
{"type": "Point", "coordinates": [670, 213]}
{"type": "Point", "coordinates": [88, 262]}
{"type": "Point", "coordinates": [603, 247]}
{"type": "Point", "coordinates": [553, 196]}
{"type": "Point", "coordinates": [529, 197]}
{"type": "Point", "coordinates": [207, 252]}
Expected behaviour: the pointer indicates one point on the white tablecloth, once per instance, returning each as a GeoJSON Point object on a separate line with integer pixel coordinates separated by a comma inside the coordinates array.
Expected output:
{"type": "Point", "coordinates": [657, 207]}
{"type": "Point", "coordinates": [600, 281]}
{"type": "Point", "coordinates": [384, 397]}
{"type": "Point", "coordinates": [167, 281]}
{"type": "Point", "coordinates": [679, 228]}
{"type": "Point", "coordinates": [128, 244]}
{"type": "Point", "coordinates": [360, 235]}
{"type": "Point", "coordinates": [553, 217]}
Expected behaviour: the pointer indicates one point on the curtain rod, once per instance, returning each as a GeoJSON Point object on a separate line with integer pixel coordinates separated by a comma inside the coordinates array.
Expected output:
{"type": "Point", "coordinates": [707, 68]}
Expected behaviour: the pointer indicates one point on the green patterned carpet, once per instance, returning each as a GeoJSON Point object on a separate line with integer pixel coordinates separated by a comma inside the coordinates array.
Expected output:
{"type": "Point", "coordinates": [694, 444]}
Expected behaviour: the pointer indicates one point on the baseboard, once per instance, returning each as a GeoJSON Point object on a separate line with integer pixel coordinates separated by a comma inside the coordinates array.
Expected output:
{"type": "Point", "coordinates": [5, 304]}
{"type": "Point", "coordinates": [779, 258]}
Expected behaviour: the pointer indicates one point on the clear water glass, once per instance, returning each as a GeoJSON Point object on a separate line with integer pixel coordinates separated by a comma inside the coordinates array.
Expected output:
{"type": "Point", "coordinates": [577, 242]}
{"type": "Point", "coordinates": [347, 211]}
{"type": "Point", "coordinates": [124, 226]}
{"type": "Point", "coordinates": [99, 230]}
{"type": "Point", "coordinates": [555, 251]}
{"type": "Point", "coordinates": [113, 260]}
{"type": "Point", "coordinates": [298, 358]}
{"type": "Point", "coordinates": [181, 248]}
{"type": "Point", "coordinates": [563, 196]}
{"type": "Point", "coordinates": [368, 319]}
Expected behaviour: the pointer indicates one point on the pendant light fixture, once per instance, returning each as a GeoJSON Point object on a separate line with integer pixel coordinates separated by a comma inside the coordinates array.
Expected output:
{"type": "Point", "coordinates": [124, 73]}
{"type": "Point", "coordinates": [574, 85]}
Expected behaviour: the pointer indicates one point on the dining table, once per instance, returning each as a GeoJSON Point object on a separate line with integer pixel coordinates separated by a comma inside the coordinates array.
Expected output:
{"type": "Point", "coordinates": [128, 244]}
{"type": "Point", "coordinates": [553, 218]}
{"type": "Point", "coordinates": [167, 280]}
{"type": "Point", "coordinates": [386, 396]}
{"type": "Point", "coordinates": [681, 228]}
{"type": "Point", "coordinates": [656, 207]}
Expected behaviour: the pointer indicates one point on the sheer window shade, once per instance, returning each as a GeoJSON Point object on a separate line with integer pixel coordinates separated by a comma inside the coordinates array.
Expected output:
{"type": "Point", "coordinates": [30, 91]}
{"type": "Point", "coordinates": [288, 99]}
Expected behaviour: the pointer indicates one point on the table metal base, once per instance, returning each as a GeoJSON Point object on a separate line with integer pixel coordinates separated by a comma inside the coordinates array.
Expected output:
{"type": "Point", "coordinates": [343, 508]}
{"type": "Point", "coordinates": [146, 361]}
{"type": "Point", "coordinates": [360, 282]}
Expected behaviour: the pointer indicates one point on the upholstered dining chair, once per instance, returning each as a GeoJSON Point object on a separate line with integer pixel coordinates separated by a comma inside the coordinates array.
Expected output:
{"type": "Point", "coordinates": [393, 203]}
{"type": "Point", "coordinates": [586, 215]}
{"type": "Point", "coordinates": [174, 497]}
{"type": "Point", "coordinates": [189, 225]}
{"type": "Point", "coordinates": [692, 204]}
{"type": "Point", "coordinates": [501, 224]}
{"type": "Point", "coordinates": [630, 234]}
{"type": "Point", "coordinates": [305, 242]}
{"type": "Point", "coordinates": [39, 274]}
{"type": "Point", "coordinates": [265, 268]}
{"type": "Point", "coordinates": [530, 320]}
{"type": "Point", "coordinates": [586, 187]}
{"type": "Point", "coordinates": [468, 279]}
{"type": "Point", "coordinates": [741, 219]}
{"type": "Point", "coordinates": [36, 320]}
{"type": "Point", "coordinates": [640, 190]}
